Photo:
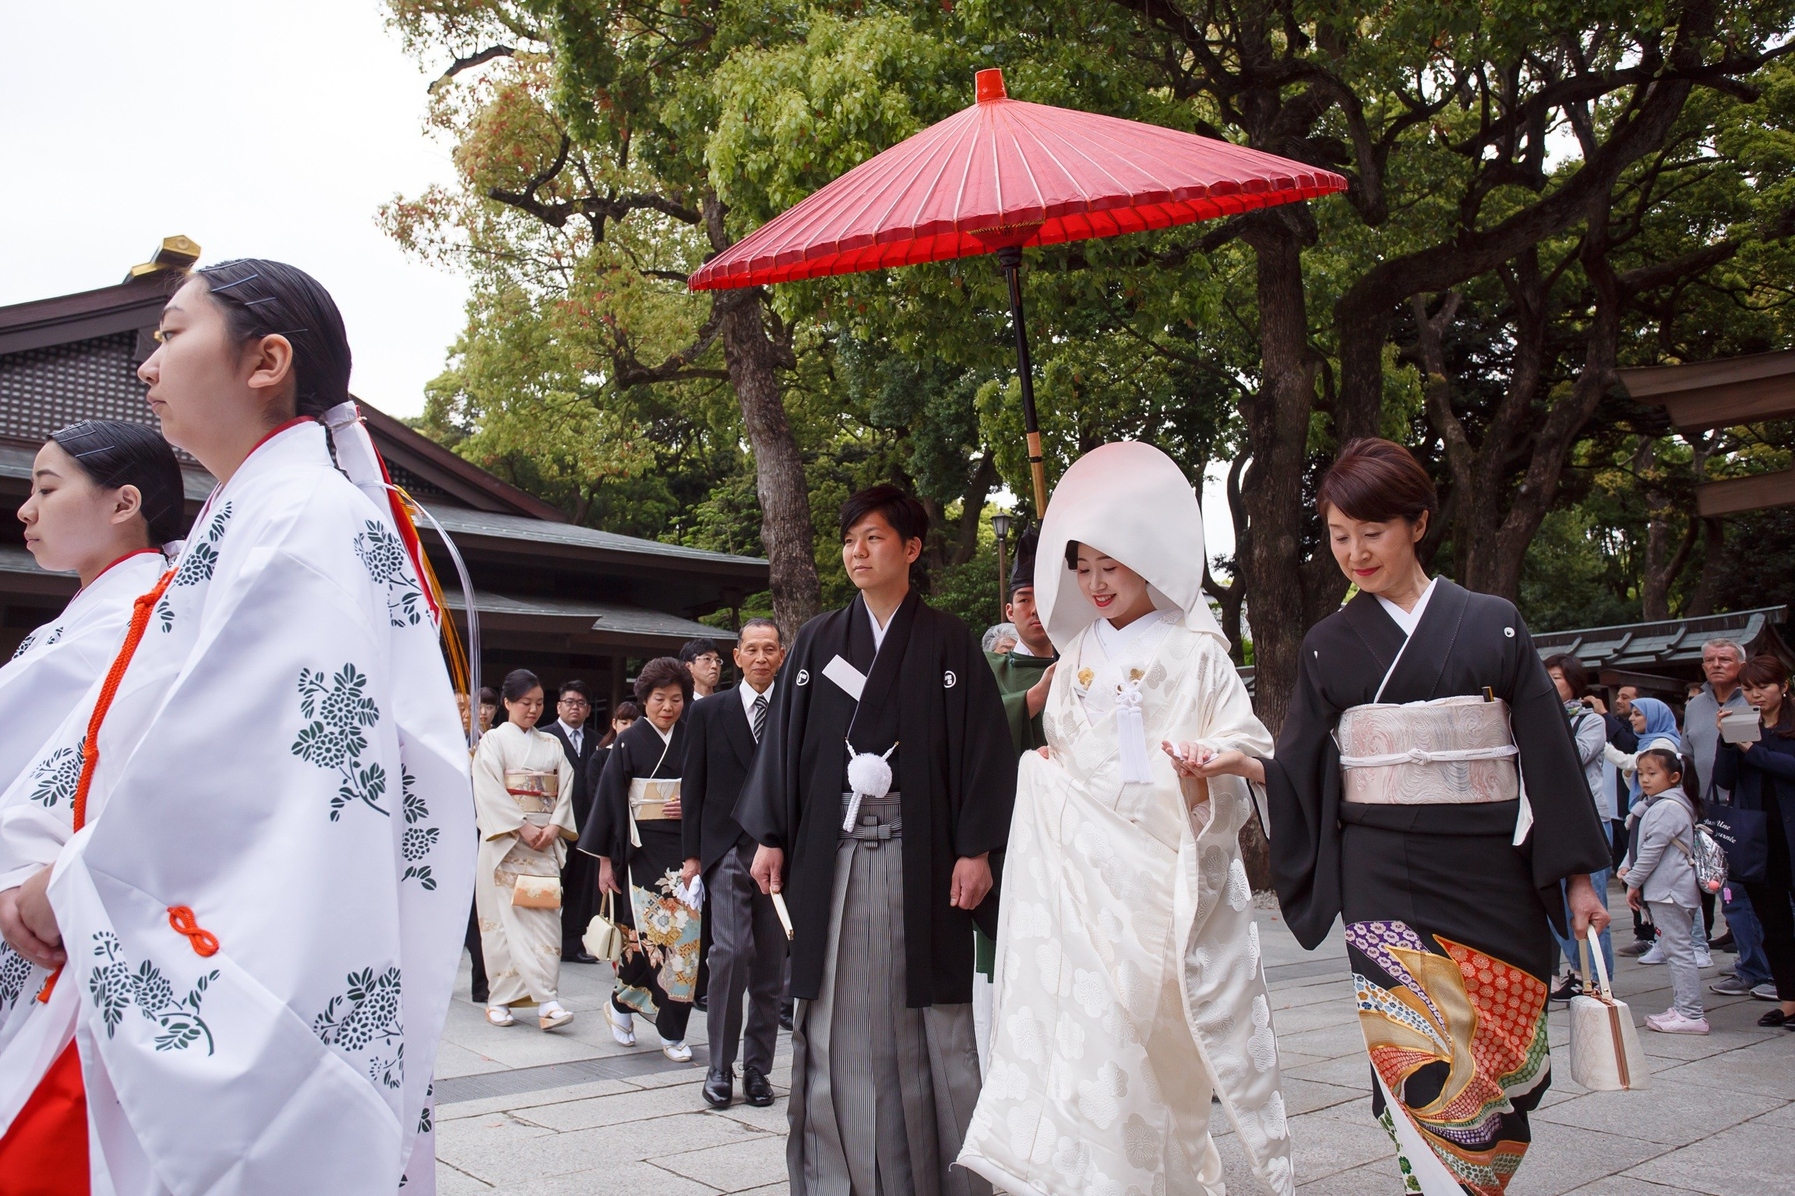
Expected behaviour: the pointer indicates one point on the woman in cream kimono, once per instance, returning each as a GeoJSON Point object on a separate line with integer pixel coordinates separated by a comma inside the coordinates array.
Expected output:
{"type": "Point", "coordinates": [523, 799]}
{"type": "Point", "coordinates": [1129, 985]}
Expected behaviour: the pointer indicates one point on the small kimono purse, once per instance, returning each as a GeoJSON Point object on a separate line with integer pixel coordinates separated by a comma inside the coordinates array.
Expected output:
{"type": "Point", "coordinates": [603, 937]}
{"type": "Point", "coordinates": [1605, 1051]}
{"type": "Point", "coordinates": [537, 892]}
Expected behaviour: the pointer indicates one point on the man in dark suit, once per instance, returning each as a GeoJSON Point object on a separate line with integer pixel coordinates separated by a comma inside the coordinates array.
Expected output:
{"type": "Point", "coordinates": [579, 880]}
{"type": "Point", "coordinates": [747, 951]}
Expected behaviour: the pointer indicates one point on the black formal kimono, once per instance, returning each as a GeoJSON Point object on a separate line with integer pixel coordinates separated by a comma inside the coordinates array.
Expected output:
{"type": "Point", "coordinates": [579, 876]}
{"type": "Point", "coordinates": [659, 972]}
{"type": "Point", "coordinates": [1446, 919]}
{"type": "Point", "coordinates": [884, 1062]}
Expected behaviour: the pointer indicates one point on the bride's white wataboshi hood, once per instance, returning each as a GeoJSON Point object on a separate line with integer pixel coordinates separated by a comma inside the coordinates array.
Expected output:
{"type": "Point", "coordinates": [1130, 501]}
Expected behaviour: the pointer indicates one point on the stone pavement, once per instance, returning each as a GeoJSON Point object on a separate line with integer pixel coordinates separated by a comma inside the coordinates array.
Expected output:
{"type": "Point", "coordinates": [523, 1112]}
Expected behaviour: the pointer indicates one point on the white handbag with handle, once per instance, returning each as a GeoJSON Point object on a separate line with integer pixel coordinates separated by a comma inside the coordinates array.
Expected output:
{"type": "Point", "coordinates": [1605, 1051]}
{"type": "Point", "coordinates": [603, 937]}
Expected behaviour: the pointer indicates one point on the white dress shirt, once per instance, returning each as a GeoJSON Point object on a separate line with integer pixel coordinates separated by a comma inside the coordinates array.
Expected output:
{"type": "Point", "coordinates": [748, 696]}
{"type": "Point", "coordinates": [575, 735]}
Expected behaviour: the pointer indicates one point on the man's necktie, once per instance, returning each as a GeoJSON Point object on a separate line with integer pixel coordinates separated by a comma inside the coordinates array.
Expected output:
{"type": "Point", "coordinates": [760, 715]}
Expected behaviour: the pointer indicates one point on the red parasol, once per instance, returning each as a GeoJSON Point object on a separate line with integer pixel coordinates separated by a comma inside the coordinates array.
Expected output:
{"type": "Point", "coordinates": [1001, 175]}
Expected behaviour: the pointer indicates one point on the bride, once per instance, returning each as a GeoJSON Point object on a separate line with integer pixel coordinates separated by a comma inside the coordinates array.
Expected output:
{"type": "Point", "coordinates": [1128, 983]}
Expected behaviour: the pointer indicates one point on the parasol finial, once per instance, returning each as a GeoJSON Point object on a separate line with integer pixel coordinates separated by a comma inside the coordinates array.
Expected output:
{"type": "Point", "coordinates": [990, 85]}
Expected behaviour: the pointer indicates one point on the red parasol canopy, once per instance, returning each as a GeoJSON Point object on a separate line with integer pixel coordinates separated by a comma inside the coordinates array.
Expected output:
{"type": "Point", "coordinates": [1001, 175]}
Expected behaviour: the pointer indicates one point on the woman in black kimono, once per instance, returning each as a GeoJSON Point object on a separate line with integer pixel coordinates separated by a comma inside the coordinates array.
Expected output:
{"type": "Point", "coordinates": [635, 832]}
{"type": "Point", "coordinates": [1395, 803]}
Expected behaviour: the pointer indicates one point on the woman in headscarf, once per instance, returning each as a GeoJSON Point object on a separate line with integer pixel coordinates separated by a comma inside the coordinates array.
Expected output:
{"type": "Point", "coordinates": [105, 497]}
{"type": "Point", "coordinates": [1656, 725]}
{"type": "Point", "coordinates": [1128, 981]}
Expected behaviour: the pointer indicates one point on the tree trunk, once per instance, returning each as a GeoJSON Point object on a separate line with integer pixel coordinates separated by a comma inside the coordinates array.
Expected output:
{"type": "Point", "coordinates": [754, 360]}
{"type": "Point", "coordinates": [1270, 554]}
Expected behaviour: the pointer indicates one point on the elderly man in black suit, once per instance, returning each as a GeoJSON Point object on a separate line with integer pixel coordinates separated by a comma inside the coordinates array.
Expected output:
{"type": "Point", "coordinates": [579, 881]}
{"type": "Point", "coordinates": [747, 952]}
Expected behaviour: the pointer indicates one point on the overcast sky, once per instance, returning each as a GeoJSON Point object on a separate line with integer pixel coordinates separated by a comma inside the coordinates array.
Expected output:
{"type": "Point", "coordinates": [257, 129]}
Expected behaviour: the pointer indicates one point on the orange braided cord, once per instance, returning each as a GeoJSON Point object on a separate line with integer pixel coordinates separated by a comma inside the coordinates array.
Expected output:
{"type": "Point", "coordinates": [90, 747]}
{"type": "Point", "coordinates": [181, 918]}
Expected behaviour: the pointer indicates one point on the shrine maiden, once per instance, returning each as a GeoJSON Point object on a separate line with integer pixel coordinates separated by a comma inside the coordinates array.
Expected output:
{"type": "Point", "coordinates": [262, 921]}
{"type": "Point", "coordinates": [1129, 981]}
{"type": "Point", "coordinates": [523, 801]}
{"type": "Point", "coordinates": [105, 498]}
{"type": "Point", "coordinates": [1396, 804]}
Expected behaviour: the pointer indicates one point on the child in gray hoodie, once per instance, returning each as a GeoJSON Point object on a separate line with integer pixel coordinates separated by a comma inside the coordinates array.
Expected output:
{"type": "Point", "coordinates": [1660, 875]}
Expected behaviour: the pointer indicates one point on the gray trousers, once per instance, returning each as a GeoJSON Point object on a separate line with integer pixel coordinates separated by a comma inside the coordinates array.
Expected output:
{"type": "Point", "coordinates": [747, 956]}
{"type": "Point", "coordinates": [882, 1094]}
{"type": "Point", "coordinates": [1676, 939]}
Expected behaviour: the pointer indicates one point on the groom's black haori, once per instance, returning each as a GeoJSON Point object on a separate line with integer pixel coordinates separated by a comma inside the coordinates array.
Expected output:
{"type": "Point", "coordinates": [885, 1065]}
{"type": "Point", "coordinates": [930, 691]}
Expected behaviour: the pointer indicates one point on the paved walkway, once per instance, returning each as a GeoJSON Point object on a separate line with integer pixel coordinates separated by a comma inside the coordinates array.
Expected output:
{"type": "Point", "coordinates": [522, 1112]}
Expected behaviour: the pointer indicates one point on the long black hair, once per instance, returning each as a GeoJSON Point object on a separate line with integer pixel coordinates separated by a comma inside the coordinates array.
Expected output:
{"type": "Point", "coordinates": [114, 453]}
{"type": "Point", "coordinates": [263, 298]}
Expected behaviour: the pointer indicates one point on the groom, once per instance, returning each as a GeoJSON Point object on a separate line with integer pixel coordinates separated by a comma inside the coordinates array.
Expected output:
{"type": "Point", "coordinates": [884, 1064]}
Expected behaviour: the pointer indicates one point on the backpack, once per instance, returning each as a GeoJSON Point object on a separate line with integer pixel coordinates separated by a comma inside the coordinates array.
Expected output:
{"type": "Point", "coordinates": [1708, 860]}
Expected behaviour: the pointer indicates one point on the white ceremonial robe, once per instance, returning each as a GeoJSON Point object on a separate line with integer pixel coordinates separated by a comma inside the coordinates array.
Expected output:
{"type": "Point", "coordinates": [1128, 983]}
{"type": "Point", "coordinates": [522, 944]}
{"type": "Point", "coordinates": [284, 761]}
{"type": "Point", "coordinates": [48, 676]}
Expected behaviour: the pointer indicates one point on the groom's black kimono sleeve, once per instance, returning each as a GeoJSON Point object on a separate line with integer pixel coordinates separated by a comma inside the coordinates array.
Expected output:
{"type": "Point", "coordinates": [955, 769]}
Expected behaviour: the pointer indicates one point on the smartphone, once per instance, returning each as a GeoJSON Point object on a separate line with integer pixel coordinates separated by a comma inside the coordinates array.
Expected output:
{"type": "Point", "coordinates": [1739, 726]}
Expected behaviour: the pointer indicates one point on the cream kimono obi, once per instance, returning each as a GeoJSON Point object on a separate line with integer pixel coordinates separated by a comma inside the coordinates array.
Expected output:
{"type": "Point", "coordinates": [536, 791]}
{"type": "Point", "coordinates": [1450, 751]}
{"type": "Point", "coordinates": [648, 798]}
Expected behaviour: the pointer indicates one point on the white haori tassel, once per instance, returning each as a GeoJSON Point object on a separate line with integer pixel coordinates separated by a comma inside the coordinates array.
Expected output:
{"type": "Point", "coordinates": [1131, 733]}
{"type": "Point", "coordinates": [868, 776]}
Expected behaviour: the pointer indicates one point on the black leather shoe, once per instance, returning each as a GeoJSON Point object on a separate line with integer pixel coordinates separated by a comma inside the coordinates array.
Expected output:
{"type": "Point", "coordinates": [755, 1089]}
{"type": "Point", "coordinates": [719, 1090]}
{"type": "Point", "coordinates": [578, 957]}
{"type": "Point", "coordinates": [1775, 1018]}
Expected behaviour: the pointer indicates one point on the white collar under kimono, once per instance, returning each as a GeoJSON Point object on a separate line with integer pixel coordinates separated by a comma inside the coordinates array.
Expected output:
{"type": "Point", "coordinates": [1408, 620]}
{"type": "Point", "coordinates": [1110, 663]}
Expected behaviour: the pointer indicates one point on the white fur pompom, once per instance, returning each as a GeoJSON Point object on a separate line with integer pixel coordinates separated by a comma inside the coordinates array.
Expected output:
{"type": "Point", "coordinates": [869, 775]}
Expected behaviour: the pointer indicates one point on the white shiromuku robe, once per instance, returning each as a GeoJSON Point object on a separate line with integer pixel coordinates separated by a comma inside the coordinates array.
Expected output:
{"type": "Point", "coordinates": [283, 770]}
{"type": "Point", "coordinates": [522, 944]}
{"type": "Point", "coordinates": [1129, 984]}
{"type": "Point", "coordinates": [48, 676]}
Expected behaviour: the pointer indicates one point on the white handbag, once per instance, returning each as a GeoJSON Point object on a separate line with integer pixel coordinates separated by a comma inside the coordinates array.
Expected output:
{"type": "Point", "coordinates": [1605, 1051]}
{"type": "Point", "coordinates": [603, 937]}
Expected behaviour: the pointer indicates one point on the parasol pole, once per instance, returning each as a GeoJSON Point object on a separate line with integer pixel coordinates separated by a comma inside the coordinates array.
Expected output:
{"type": "Point", "coordinates": [1010, 258]}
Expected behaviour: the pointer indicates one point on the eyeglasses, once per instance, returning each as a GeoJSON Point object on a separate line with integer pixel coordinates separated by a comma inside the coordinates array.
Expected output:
{"type": "Point", "coordinates": [573, 701]}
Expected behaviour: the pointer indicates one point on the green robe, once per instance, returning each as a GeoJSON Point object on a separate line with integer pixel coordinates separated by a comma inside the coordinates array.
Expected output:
{"type": "Point", "coordinates": [1016, 674]}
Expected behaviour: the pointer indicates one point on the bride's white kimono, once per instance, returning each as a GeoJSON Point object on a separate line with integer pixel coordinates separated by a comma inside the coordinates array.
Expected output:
{"type": "Point", "coordinates": [264, 909]}
{"type": "Point", "coordinates": [49, 674]}
{"type": "Point", "coordinates": [1129, 985]}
